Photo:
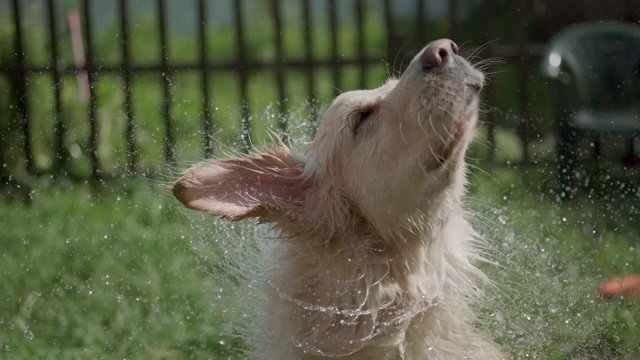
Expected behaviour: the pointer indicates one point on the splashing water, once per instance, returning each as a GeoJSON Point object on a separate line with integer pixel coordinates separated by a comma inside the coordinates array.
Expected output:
{"type": "Point", "coordinates": [537, 307]}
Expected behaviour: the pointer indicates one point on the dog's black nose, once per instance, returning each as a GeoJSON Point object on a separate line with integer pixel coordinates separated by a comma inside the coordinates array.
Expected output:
{"type": "Point", "coordinates": [438, 52]}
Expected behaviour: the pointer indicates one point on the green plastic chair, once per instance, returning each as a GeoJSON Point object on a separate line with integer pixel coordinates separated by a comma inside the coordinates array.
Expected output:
{"type": "Point", "coordinates": [596, 64]}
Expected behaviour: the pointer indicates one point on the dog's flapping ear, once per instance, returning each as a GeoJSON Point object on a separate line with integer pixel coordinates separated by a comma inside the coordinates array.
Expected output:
{"type": "Point", "coordinates": [264, 186]}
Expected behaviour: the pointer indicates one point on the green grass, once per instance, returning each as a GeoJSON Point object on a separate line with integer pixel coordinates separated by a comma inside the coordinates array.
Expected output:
{"type": "Point", "coordinates": [107, 274]}
{"type": "Point", "coordinates": [115, 272]}
{"type": "Point", "coordinates": [552, 256]}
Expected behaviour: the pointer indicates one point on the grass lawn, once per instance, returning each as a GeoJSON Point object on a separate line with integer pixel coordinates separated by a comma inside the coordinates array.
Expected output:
{"type": "Point", "coordinates": [116, 272]}
{"type": "Point", "coordinates": [552, 255]}
{"type": "Point", "coordinates": [88, 275]}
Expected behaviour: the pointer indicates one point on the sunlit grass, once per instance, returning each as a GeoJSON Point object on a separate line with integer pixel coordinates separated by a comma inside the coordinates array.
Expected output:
{"type": "Point", "coordinates": [552, 255]}
{"type": "Point", "coordinates": [112, 272]}
{"type": "Point", "coordinates": [106, 274]}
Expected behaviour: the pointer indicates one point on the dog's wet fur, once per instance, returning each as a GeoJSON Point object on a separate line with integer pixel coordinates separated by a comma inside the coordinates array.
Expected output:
{"type": "Point", "coordinates": [377, 260]}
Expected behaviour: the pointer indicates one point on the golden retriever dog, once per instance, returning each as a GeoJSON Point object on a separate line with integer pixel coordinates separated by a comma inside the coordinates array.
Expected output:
{"type": "Point", "coordinates": [375, 259]}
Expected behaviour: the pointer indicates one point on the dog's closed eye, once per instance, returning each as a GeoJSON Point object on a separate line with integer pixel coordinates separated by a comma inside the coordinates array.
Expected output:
{"type": "Point", "coordinates": [362, 117]}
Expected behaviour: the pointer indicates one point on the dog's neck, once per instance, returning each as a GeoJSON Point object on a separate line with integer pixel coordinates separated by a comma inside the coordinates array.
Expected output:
{"type": "Point", "coordinates": [345, 229]}
{"type": "Point", "coordinates": [375, 277]}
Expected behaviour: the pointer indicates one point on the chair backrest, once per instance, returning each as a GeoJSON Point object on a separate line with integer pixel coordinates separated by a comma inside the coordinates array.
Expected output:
{"type": "Point", "coordinates": [602, 60]}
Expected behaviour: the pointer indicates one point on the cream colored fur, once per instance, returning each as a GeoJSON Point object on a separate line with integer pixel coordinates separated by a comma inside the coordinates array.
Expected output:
{"type": "Point", "coordinates": [375, 258]}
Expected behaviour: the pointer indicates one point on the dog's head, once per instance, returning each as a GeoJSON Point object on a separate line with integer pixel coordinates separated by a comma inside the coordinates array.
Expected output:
{"type": "Point", "coordinates": [384, 153]}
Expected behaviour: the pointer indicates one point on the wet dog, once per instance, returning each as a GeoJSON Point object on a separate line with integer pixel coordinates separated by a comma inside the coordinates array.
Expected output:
{"type": "Point", "coordinates": [377, 260]}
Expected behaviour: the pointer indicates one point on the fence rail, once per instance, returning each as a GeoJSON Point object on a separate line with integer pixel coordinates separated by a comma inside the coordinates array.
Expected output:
{"type": "Point", "coordinates": [19, 70]}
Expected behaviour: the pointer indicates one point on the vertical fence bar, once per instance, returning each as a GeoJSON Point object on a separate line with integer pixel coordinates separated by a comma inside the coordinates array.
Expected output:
{"type": "Point", "coordinates": [3, 160]}
{"type": "Point", "coordinates": [333, 34]}
{"type": "Point", "coordinates": [421, 26]}
{"type": "Point", "coordinates": [489, 92]}
{"type": "Point", "coordinates": [20, 82]}
{"type": "Point", "coordinates": [4, 176]}
{"type": "Point", "coordinates": [132, 150]}
{"type": "Point", "coordinates": [360, 37]}
{"type": "Point", "coordinates": [282, 96]}
{"type": "Point", "coordinates": [392, 47]}
{"type": "Point", "coordinates": [309, 66]}
{"type": "Point", "coordinates": [454, 20]}
{"type": "Point", "coordinates": [94, 130]}
{"type": "Point", "coordinates": [241, 67]}
{"type": "Point", "coordinates": [170, 150]}
{"type": "Point", "coordinates": [59, 127]}
{"type": "Point", "coordinates": [207, 121]}
{"type": "Point", "coordinates": [523, 69]}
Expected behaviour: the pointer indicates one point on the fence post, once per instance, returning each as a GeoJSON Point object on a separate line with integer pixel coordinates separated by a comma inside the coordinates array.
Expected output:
{"type": "Point", "coordinates": [310, 67]}
{"type": "Point", "coordinates": [487, 25]}
{"type": "Point", "coordinates": [132, 150]}
{"type": "Point", "coordinates": [20, 76]}
{"type": "Point", "coordinates": [335, 56]}
{"type": "Point", "coordinates": [454, 20]}
{"type": "Point", "coordinates": [421, 26]}
{"type": "Point", "coordinates": [207, 122]}
{"type": "Point", "coordinates": [241, 67]}
{"type": "Point", "coordinates": [59, 126]}
{"type": "Point", "coordinates": [392, 47]}
{"type": "Point", "coordinates": [4, 177]}
{"type": "Point", "coordinates": [94, 129]}
{"type": "Point", "coordinates": [282, 96]}
{"type": "Point", "coordinates": [360, 37]}
{"type": "Point", "coordinates": [170, 151]}
{"type": "Point", "coordinates": [523, 69]}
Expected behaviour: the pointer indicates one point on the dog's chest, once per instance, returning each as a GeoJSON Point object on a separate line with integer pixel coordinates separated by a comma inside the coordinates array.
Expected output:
{"type": "Point", "coordinates": [342, 303]}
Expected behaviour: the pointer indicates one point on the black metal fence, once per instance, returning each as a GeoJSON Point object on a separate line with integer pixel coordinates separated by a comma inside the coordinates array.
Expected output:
{"type": "Point", "coordinates": [19, 69]}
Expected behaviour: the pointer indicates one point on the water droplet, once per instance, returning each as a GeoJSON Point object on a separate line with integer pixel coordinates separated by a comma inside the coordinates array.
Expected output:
{"type": "Point", "coordinates": [28, 334]}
